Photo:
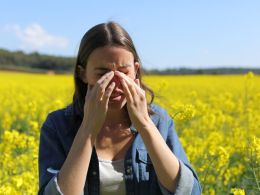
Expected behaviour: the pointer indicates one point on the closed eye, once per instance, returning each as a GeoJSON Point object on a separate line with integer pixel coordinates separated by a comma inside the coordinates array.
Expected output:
{"type": "Point", "coordinates": [102, 73]}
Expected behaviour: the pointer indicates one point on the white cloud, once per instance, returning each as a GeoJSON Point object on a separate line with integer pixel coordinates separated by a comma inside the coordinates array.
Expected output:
{"type": "Point", "coordinates": [34, 37]}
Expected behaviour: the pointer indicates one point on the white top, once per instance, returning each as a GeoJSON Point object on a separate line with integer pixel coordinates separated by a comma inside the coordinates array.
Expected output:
{"type": "Point", "coordinates": [111, 177]}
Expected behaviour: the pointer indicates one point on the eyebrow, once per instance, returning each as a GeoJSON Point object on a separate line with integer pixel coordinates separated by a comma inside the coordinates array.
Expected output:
{"type": "Point", "coordinates": [120, 67]}
{"type": "Point", "coordinates": [100, 68]}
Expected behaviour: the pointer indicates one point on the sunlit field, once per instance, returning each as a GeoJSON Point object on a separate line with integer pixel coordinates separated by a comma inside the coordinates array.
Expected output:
{"type": "Point", "coordinates": [217, 119]}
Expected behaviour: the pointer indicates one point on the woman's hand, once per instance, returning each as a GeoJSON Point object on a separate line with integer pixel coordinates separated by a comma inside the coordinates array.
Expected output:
{"type": "Point", "coordinates": [136, 100]}
{"type": "Point", "coordinates": [96, 103]}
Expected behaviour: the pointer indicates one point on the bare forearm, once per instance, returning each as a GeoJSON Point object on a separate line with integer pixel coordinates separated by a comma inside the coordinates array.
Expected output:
{"type": "Point", "coordinates": [164, 161]}
{"type": "Point", "coordinates": [77, 163]}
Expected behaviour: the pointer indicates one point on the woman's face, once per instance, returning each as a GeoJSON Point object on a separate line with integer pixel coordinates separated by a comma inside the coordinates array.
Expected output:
{"type": "Point", "coordinates": [105, 59]}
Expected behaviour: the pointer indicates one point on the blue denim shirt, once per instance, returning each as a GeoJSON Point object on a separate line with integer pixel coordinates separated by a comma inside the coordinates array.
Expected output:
{"type": "Point", "coordinates": [57, 135]}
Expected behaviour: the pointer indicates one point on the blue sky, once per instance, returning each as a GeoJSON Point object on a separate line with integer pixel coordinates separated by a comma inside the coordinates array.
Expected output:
{"type": "Point", "coordinates": [167, 33]}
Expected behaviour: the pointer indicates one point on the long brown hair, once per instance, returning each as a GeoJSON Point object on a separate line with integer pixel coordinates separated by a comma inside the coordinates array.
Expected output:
{"type": "Point", "coordinates": [104, 34]}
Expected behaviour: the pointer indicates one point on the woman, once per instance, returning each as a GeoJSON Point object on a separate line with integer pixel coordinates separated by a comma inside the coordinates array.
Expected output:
{"type": "Point", "coordinates": [110, 140]}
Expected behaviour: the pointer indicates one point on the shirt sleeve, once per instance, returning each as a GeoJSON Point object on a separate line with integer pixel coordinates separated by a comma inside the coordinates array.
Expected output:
{"type": "Point", "coordinates": [188, 182]}
{"type": "Point", "coordinates": [52, 187]}
{"type": "Point", "coordinates": [51, 157]}
{"type": "Point", "coordinates": [185, 182]}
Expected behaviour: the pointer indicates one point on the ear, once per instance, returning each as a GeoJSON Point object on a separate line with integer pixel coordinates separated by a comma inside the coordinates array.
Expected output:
{"type": "Point", "coordinates": [137, 66]}
{"type": "Point", "coordinates": [82, 73]}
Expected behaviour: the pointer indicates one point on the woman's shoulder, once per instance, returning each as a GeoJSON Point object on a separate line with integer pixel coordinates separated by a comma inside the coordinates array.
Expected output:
{"type": "Point", "coordinates": [159, 110]}
{"type": "Point", "coordinates": [61, 112]}
{"type": "Point", "coordinates": [161, 118]}
{"type": "Point", "coordinates": [58, 117]}
{"type": "Point", "coordinates": [62, 121]}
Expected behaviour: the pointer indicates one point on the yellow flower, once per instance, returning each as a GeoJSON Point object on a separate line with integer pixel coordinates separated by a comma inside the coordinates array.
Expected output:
{"type": "Point", "coordinates": [217, 119]}
{"type": "Point", "coordinates": [238, 191]}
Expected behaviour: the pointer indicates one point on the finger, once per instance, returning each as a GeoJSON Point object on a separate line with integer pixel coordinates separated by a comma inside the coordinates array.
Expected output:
{"type": "Point", "coordinates": [121, 75]}
{"type": "Point", "coordinates": [138, 87]}
{"type": "Point", "coordinates": [99, 82]}
{"type": "Point", "coordinates": [107, 79]}
{"type": "Point", "coordinates": [108, 92]}
{"type": "Point", "coordinates": [130, 83]}
{"type": "Point", "coordinates": [127, 92]}
{"type": "Point", "coordinates": [102, 83]}
{"type": "Point", "coordinates": [103, 87]}
{"type": "Point", "coordinates": [104, 77]}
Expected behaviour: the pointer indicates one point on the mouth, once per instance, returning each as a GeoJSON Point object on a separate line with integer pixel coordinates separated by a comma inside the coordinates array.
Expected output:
{"type": "Point", "coordinates": [116, 93]}
{"type": "Point", "coordinates": [116, 96]}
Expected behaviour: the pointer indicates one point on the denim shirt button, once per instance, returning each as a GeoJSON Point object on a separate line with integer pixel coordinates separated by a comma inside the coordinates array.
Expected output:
{"type": "Point", "coordinates": [94, 173]}
{"type": "Point", "coordinates": [129, 170]}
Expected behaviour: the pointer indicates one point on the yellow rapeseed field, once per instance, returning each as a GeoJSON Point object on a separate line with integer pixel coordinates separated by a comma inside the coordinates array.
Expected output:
{"type": "Point", "coordinates": [217, 119]}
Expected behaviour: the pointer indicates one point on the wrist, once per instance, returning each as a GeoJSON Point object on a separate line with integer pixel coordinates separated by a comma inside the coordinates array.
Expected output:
{"type": "Point", "coordinates": [145, 125]}
{"type": "Point", "coordinates": [86, 132]}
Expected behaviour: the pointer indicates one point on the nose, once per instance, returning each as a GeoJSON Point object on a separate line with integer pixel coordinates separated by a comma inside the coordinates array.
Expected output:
{"type": "Point", "coordinates": [117, 81]}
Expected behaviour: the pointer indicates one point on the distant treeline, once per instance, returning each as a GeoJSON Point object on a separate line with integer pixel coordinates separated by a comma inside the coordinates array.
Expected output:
{"type": "Point", "coordinates": [35, 62]}
{"type": "Point", "coordinates": [187, 71]}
